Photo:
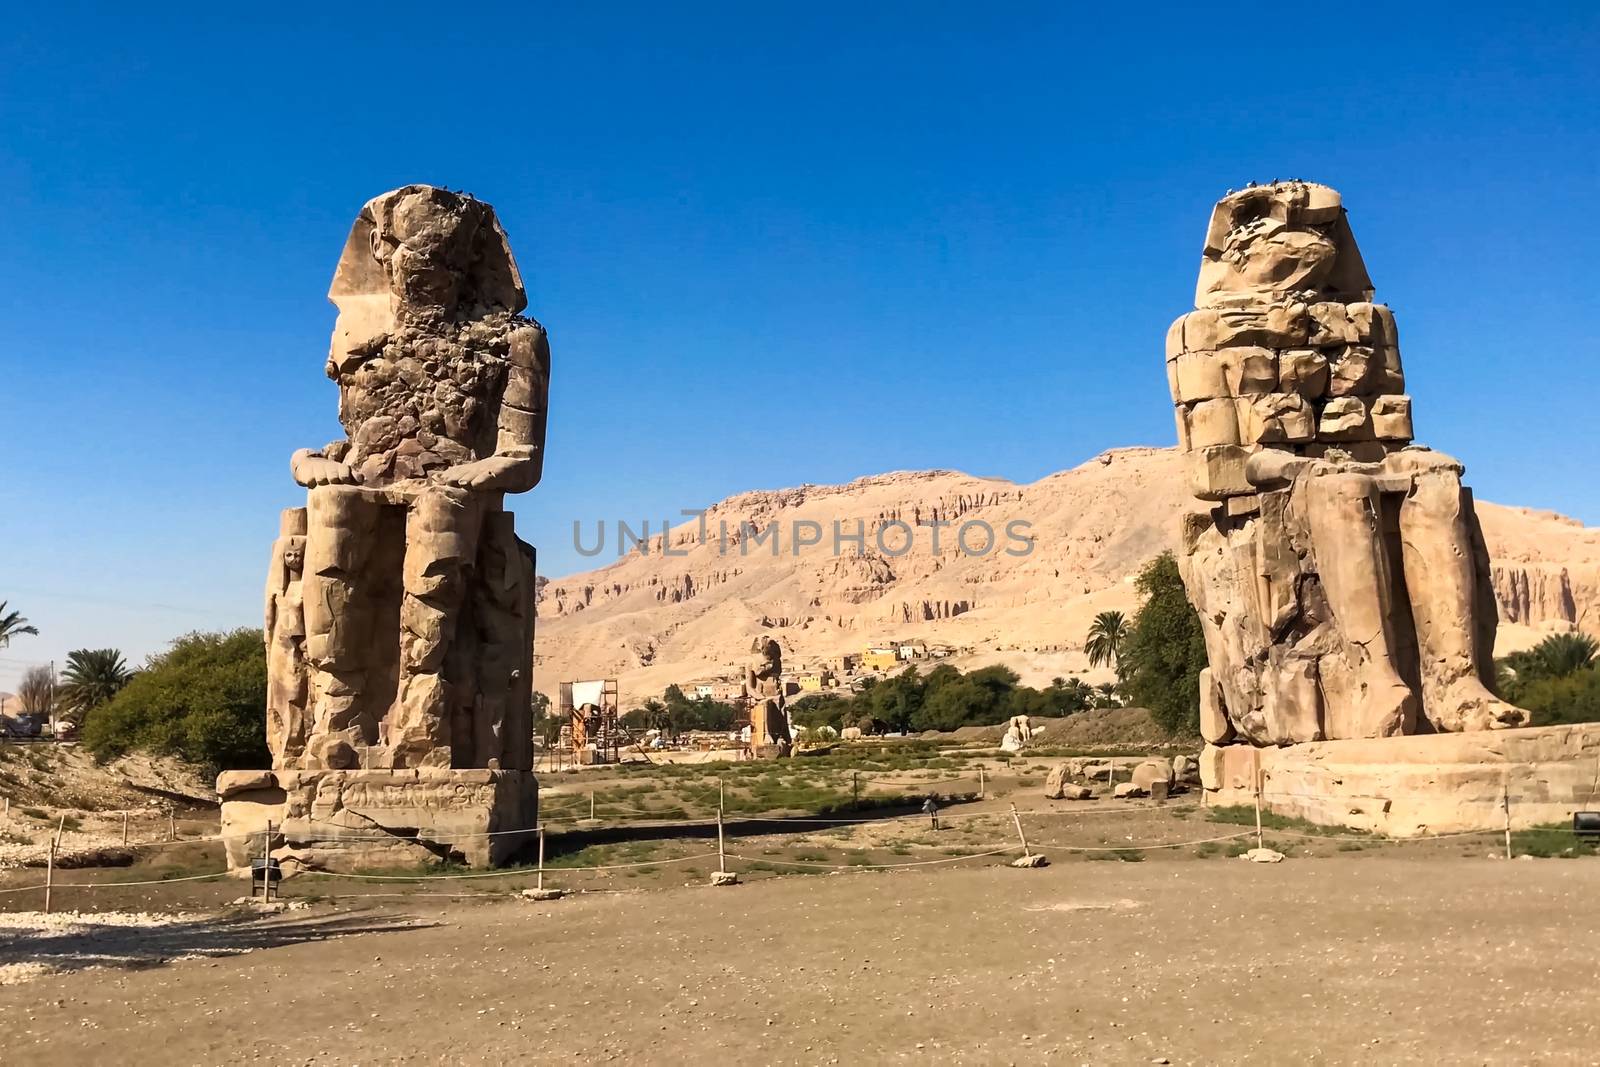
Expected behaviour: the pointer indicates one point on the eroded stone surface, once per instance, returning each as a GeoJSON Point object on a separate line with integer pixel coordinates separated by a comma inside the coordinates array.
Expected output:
{"type": "Point", "coordinates": [769, 719]}
{"type": "Point", "coordinates": [1340, 574]}
{"type": "Point", "coordinates": [399, 600]}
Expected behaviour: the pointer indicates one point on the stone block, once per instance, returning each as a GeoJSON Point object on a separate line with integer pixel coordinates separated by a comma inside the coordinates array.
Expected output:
{"type": "Point", "coordinates": [1150, 772]}
{"type": "Point", "coordinates": [1391, 377]}
{"type": "Point", "coordinates": [1213, 422]}
{"type": "Point", "coordinates": [1214, 725]}
{"type": "Point", "coordinates": [1217, 473]}
{"type": "Point", "coordinates": [1275, 418]}
{"type": "Point", "coordinates": [1391, 418]}
{"type": "Point", "coordinates": [1303, 371]}
{"type": "Point", "coordinates": [1355, 371]}
{"type": "Point", "coordinates": [1269, 326]}
{"type": "Point", "coordinates": [1175, 338]}
{"type": "Point", "coordinates": [1239, 506]}
{"type": "Point", "coordinates": [1200, 376]}
{"type": "Point", "coordinates": [341, 820]}
{"type": "Point", "coordinates": [1249, 370]}
{"type": "Point", "coordinates": [1345, 419]}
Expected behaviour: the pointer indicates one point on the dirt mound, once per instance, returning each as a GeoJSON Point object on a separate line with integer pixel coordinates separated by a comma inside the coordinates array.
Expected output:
{"type": "Point", "coordinates": [68, 777]}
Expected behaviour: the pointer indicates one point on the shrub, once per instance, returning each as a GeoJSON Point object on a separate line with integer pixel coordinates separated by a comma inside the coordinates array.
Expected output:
{"type": "Point", "coordinates": [203, 700]}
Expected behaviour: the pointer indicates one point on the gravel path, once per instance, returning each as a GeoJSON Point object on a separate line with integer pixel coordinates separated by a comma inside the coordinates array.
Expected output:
{"type": "Point", "coordinates": [1396, 959]}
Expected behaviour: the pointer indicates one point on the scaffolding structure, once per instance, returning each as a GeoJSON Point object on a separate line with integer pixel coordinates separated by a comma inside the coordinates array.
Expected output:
{"type": "Point", "coordinates": [589, 715]}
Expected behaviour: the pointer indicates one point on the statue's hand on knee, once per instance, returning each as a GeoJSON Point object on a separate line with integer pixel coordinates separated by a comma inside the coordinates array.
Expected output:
{"type": "Point", "coordinates": [312, 469]}
{"type": "Point", "coordinates": [504, 472]}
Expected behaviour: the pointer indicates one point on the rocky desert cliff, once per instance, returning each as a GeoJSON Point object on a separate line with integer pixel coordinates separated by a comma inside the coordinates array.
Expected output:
{"type": "Point", "coordinates": [652, 618]}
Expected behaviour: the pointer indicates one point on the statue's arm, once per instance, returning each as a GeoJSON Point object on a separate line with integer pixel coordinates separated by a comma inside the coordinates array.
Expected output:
{"type": "Point", "coordinates": [311, 468]}
{"type": "Point", "coordinates": [518, 460]}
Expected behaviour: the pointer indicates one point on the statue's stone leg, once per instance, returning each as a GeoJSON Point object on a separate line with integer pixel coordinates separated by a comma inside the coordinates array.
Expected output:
{"type": "Point", "coordinates": [285, 633]}
{"type": "Point", "coordinates": [441, 544]}
{"type": "Point", "coordinates": [1345, 521]}
{"type": "Point", "coordinates": [1442, 583]}
{"type": "Point", "coordinates": [340, 525]}
{"type": "Point", "coordinates": [502, 602]}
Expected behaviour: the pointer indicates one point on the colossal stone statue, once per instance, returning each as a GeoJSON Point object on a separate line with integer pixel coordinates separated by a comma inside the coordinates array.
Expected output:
{"type": "Point", "coordinates": [1338, 568]}
{"type": "Point", "coordinates": [769, 722]}
{"type": "Point", "coordinates": [400, 614]}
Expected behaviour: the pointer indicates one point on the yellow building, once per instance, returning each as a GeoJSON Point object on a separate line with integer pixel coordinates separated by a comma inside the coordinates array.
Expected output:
{"type": "Point", "coordinates": [814, 681]}
{"type": "Point", "coordinates": [880, 658]}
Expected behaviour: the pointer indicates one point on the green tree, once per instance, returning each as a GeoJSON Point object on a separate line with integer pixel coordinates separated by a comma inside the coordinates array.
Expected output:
{"type": "Point", "coordinates": [897, 700]}
{"type": "Point", "coordinates": [1107, 634]}
{"type": "Point", "coordinates": [92, 676]}
{"type": "Point", "coordinates": [1073, 694]}
{"type": "Point", "coordinates": [203, 700]}
{"type": "Point", "coordinates": [1557, 656]}
{"type": "Point", "coordinates": [12, 624]}
{"type": "Point", "coordinates": [1166, 649]}
{"type": "Point", "coordinates": [1572, 697]}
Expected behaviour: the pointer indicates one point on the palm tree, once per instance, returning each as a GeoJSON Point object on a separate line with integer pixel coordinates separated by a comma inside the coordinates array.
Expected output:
{"type": "Point", "coordinates": [12, 624]}
{"type": "Point", "coordinates": [1562, 654]}
{"type": "Point", "coordinates": [92, 677]}
{"type": "Point", "coordinates": [1106, 692]}
{"type": "Point", "coordinates": [1556, 656]}
{"type": "Point", "coordinates": [656, 716]}
{"type": "Point", "coordinates": [1107, 634]}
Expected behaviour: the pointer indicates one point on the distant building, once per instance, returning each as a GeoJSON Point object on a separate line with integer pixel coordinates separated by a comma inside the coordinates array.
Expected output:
{"type": "Point", "coordinates": [848, 663]}
{"type": "Point", "coordinates": [910, 650]}
{"type": "Point", "coordinates": [883, 657]}
{"type": "Point", "coordinates": [815, 681]}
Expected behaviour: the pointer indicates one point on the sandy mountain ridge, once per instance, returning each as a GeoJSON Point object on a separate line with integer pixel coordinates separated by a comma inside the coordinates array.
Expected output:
{"type": "Point", "coordinates": [650, 619]}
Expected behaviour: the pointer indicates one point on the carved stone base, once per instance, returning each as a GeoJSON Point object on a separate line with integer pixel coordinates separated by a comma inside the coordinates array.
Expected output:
{"type": "Point", "coordinates": [347, 820]}
{"type": "Point", "coordinates": [1418, 785]}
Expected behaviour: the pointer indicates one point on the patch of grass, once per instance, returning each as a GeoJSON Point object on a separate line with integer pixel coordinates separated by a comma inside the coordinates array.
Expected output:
{"type": "Point", "coordinates": [1350, 846]}
{"type": "Point", "coordinates": [71, 822]}
{"type": "Point", "coordinates": [35, 813]}
{"type": "Point", "coordinates": [1237, 848]}
{"type": "Point", "coordinates": [1126, 855]}
{"type": "Point", "coordinates": [1245, 815]}
{"type": "Point", "coordinates": [1550, 840]}
{"type": "Point", "coordinates": [1208, 849]}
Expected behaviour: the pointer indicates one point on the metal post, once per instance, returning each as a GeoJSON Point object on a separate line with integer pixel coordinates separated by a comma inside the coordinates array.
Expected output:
{"type": "Point", "coordinates": [591, 805]}
{"type": "Point", "coordinates": [172, 825]}
{"type": "Point", "coordinates": [855, 788]}
{"type": "Point", "coordinates": [1505, 803]}
{"type": "Point", "coordinates": [980, 782]}
{"type": "Point", "coordinates": [1020, 835]}
{"type": "Point", "coordinates": [720, 795]}
{"type": "Point", "coordinates": [124, 828]}
{"type": "Point", "coordinates": [539, 885]}
{"type": "Point", "coordinates": [722, 856]}
{"type": "Point", "coordinates": [1258, 807]}
{"type": "Point", "coordinates": [50, 863]}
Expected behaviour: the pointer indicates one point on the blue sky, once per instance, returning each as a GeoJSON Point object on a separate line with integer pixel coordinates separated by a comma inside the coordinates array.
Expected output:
{"type": "Point", "coordinates": [772, 244]}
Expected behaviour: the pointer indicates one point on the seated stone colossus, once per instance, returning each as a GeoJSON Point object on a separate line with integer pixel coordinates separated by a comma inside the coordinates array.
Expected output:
{"type": "Point", "coordinates": [1337, 567]}
{"type": "Point", "coordinates": [400, 609]}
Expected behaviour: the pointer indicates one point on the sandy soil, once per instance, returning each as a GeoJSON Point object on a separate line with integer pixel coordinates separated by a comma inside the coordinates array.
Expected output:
{"type": "Point", "coordinates": [1339, 960]}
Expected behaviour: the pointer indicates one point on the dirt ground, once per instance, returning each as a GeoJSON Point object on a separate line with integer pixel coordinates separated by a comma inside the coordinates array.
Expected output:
{"type": "Point", "coordinates": [1343, 959]}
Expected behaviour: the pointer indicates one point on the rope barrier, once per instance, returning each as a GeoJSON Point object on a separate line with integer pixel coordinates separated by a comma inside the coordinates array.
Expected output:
{"type": "Point", "coordinates": [152, 881]}
{"type": "Point", "coordinates": [1143, 848]}
{"type": "Point", "coordinates": [878, 866]}
{"type": "Point", "coordinates": [505, 874]}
